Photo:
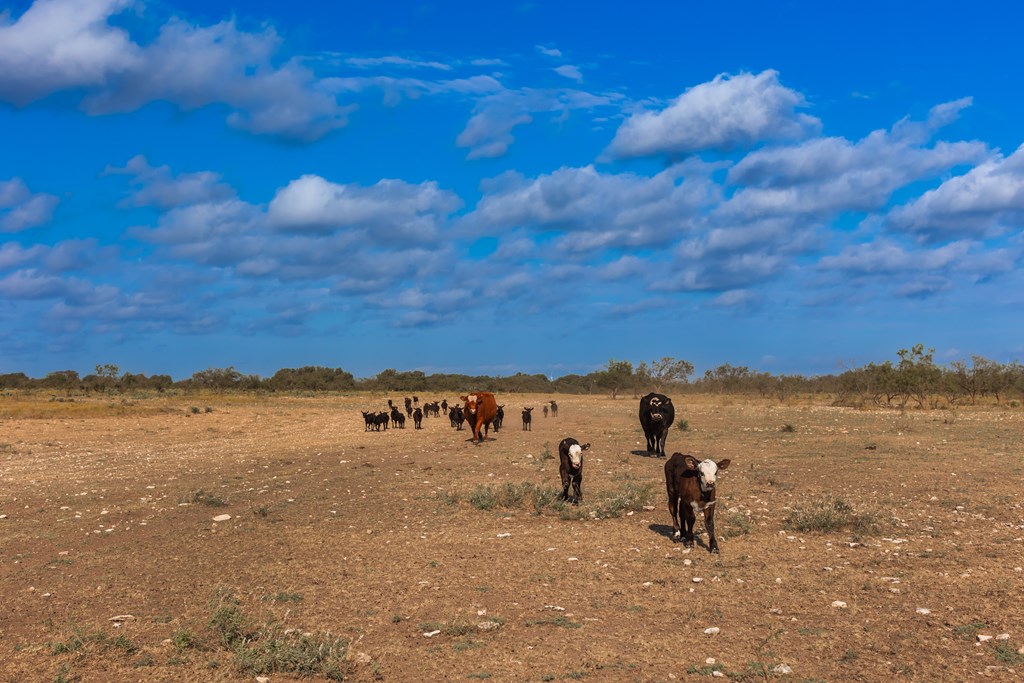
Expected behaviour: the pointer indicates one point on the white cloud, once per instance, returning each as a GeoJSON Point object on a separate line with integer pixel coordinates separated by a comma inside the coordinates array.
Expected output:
{"type": "Point", "coordinates": [393, 209]}
{"type": "Point", "coordinates": [549, 51]}
{"type": "Point", "coordinates": [158, 188]}
{"type": "Point", "coordinates": [61, 45]}
{"type": "Point", "coordinates": [488, 133]}
{"type": "Point", "coordinates": [569, 71]}
{"type": "Point", "coordinates": [987, 200]}
{"type": "Point", "coordinates": [395, 60]}
{"type": "Point", "coordinates": [726, 113]}
{"type": "Point", "coordinates": [20, 209]}
{"type": "Point", "coordinates": [601, 210]}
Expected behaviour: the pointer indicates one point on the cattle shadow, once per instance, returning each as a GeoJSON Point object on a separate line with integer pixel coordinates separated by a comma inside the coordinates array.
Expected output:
{"type": "Point", "coordinates": [645, 453]}
{"type": "Point", "coordinates": [662, 530]}
{"type": "Point", "coordinates": [666, 531]}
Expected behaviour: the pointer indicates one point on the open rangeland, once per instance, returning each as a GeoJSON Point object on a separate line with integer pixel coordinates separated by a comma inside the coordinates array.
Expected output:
{"type": "Point", "coordinates": [856, 545]}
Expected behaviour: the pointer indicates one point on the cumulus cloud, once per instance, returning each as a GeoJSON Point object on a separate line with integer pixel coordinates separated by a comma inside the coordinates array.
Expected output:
{"type": "Point", "coordinates": [20, 209]}
{"type": "Point", "coordinates": [392, 209]}
{"type": "Point", "coordinates": [729, 112]}
{"type": "Point", "coordinates": [549, 51]}
{"type": "Point", "coordinates": [601, 210]}
{"type": "Point", "coordinates": [70, 45]}
{"type": "Point", "coordinates": [158, 188]}
{"type": "Point", "coordinates": [488, 133]}
{"type": "Point", "coordinates": [829, 175]}
{"type": "Point", "coordinates": [569, 71]}
{"type": "Point", "coordinates": [987, 200]}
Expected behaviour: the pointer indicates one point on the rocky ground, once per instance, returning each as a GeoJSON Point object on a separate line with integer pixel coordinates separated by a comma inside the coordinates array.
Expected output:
{"type": "Point", "coordinates": [233, 538]}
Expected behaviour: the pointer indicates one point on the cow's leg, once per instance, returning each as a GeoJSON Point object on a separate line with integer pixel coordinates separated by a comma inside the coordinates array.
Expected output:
{"type": "Point", "coordinates": [709, 524]}
{"type": "Point", "coordinates": [689, 521]}
{"type": "Point", "coordinates": [577, 493]}
{"type": "Point", "coordinates": [673, 511]}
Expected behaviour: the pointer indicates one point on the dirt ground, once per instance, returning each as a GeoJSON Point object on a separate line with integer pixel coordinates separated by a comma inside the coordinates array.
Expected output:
{"type": "Point", "coordinates": [113, 568]}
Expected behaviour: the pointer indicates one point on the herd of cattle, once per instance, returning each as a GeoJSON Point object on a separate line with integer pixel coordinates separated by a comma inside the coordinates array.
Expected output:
{"type": "Point", "coordinates": [690, 483]}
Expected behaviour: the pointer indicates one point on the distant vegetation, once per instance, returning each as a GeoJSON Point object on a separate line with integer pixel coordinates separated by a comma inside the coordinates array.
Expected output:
{"type": "Point", "coordinates": [913, 381]}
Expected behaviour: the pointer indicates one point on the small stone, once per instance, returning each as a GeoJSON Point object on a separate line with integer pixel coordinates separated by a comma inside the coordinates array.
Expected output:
{"type": "Point", "coordinates": [505, 535]}
{"type": "Point", "coordinates": [783, 669]}
{"type": "Point", "coordinates": [697, 579]}
{"type": "Point", "coordinates": [263, 679]}
{"type": "Point", "coordinates": [984, 639]}
{"type": "Point", "coordinates": [122, 617]}
{"type": "Point", "coordinates": [1003, 636]}
{"type": "Point", "coordinates": [839, 604]}
{"type": "Point", "coordinates": [222, 518]}
{"type": "Point", "coordinates": [712, 631]}
{"type": "Point", "coordinates": [924, 610]}
{"type": "Point", "coordinates": [430, 634]}
{"type": "Point", "coordinates": [710, 660]}
{"type": "Point", "coordinates": [717, 674]}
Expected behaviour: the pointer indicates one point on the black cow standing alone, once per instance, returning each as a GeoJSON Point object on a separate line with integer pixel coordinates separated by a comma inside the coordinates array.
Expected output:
{"type": "Point", "coordinates": [527, 419]}
{"type": "Point", "coordinates": [570, 455]}
{"type": "Point", "coordinates": [417, 418]}
{"type": "Point", "coordinates": [656, 415]}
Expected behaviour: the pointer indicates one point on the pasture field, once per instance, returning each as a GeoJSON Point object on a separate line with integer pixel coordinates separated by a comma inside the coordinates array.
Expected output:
{"type": "Point", "coordinates": [857, 545]}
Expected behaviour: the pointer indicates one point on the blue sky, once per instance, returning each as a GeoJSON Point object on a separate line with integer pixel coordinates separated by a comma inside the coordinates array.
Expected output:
{"type": "Point", "coordinates": [501, 187]}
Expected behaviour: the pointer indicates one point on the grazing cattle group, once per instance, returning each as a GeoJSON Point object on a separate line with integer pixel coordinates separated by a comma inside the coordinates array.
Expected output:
{"type": "Point", "coordinates": [691, 484]}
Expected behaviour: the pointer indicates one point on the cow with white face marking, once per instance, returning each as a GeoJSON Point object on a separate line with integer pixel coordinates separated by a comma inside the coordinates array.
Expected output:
{"type": "Point", "coordinates": [656, 415]}
{"type": "Point", "coordinates": [570, 455]}
{"type": "Point", "coordinates": [692, 486]}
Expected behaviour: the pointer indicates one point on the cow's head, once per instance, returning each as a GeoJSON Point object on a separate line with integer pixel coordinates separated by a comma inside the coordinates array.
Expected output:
{"type": "Point", "coordinates": [657, 408]}
{"type": "Point", "coordinates": [707, 471]}
{"type": "Point", "coordinates": [576, 454]}
{"type": "Point", "coordinates": [470, 403]}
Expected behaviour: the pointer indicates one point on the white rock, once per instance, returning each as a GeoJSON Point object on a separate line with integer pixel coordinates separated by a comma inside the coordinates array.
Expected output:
{"type": "Point", "coordinates": [710, 660]}
{"type": "Point", "coordinates": [1003, 636]}
{"type": "Point", "coordinates": [717, 674]}
{"type": "Point", "coordinates": [984, 639]}
{"type": "Point", "coordinates": [122, 617]}
{"type": "Point", "coordinates": [783, 670]}
{"type": "Point", "coordinates": [923, 610]}
{"type": "Point", "coordinates": [714, 630]}
{"type": "Point", "coordinates": [222, 518]}
{"type": "Point", "coordinates": [430, 634]}
{"type": "Point", "coordinates": [505, 535]}
{"type": "Point", "coordinates": [697, 579]}
{"type": "Point", "coordinates": [839, 604]}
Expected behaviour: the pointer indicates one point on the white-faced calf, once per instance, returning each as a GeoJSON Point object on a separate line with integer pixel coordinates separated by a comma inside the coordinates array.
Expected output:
{"type": "Point", "coordinates": [570, 455]}
{"type": "Point", "coordinates": [691, 485]}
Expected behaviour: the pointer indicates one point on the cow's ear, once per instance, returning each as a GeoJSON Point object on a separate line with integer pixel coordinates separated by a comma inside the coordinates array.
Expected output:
{"type": "Point", "coordinates": [586, 446]}
{"type": "Point", "coordinates": [691, 462]}
{"type": "Point", "coordinates": [722, 464]}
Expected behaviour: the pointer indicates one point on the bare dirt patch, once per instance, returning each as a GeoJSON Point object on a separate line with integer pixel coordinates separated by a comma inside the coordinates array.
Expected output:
{"type": "Point", "coordinates": [856, 545]}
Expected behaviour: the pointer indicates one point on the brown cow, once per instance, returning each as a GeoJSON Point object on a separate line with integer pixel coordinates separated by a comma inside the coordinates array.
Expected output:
{"type": "Point", "coordinates": [479, 409]}
{"type": "Point", "coordinates": [691, 485]}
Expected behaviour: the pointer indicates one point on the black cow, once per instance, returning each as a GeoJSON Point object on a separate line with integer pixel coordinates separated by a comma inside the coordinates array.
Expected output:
{"type": "Point", "coordinates": [656, 415]}
{"type": "Point", "coordinates": [527, 419]}
{"type": "Point", "coordinates": [380, 420]}
{"type": "Point", "coordinates": [570, 455]}
{"type": "Point", "coordinates": [444, 406]}
{"type": "Point", "coordinates": [456, 416]}
{"type": "Point", "coordinates": [499, 417]}
{"type": "Point", "coordinates": [369, 419]}
{"type": "Point", "coordinates": [554, 409]}
{"type": "Point", "coordinates": [417, 418]}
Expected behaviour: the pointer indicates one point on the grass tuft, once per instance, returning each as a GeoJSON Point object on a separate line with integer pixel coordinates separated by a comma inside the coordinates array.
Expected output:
{"type": "Point", "coordinates": [828, 514]}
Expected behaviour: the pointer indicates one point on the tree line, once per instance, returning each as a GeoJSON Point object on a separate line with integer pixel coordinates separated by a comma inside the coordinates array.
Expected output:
{"type": "Point", "coordinates": [913, 380]}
